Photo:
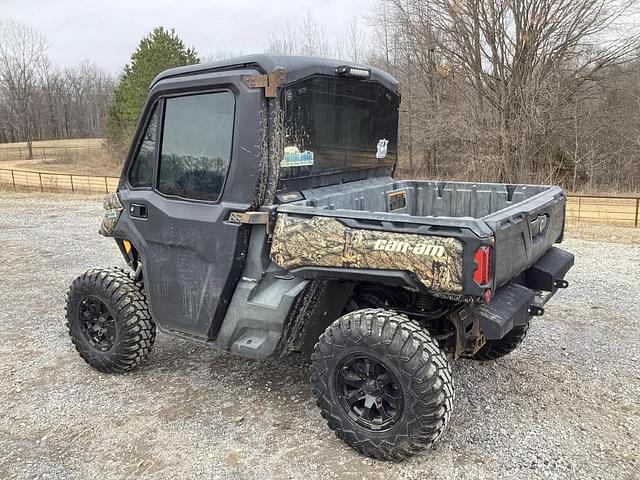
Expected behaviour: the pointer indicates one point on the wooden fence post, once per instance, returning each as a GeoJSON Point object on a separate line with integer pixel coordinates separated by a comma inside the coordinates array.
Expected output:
{"type": "Point", "coordinates": [637, 211]}
{"type": "Point", "coordinates": [72, 189]}
{"type": "Point", "coordinates": [106, 186]}
{"type": "Point", "coordinates": [40, 178]}
{"type": "Point", "coordinates": [579, 205]}
{"type": "Point", "coordinates": [13, 179]}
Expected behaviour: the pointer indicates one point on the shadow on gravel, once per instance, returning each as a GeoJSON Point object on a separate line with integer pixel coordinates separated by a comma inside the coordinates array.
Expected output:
{"type": "Point", "coordinates": [179, 357]}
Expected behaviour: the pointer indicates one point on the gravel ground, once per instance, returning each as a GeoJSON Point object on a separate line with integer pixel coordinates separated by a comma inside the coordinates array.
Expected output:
{"type": "Point", "coordinates": [564, 405]}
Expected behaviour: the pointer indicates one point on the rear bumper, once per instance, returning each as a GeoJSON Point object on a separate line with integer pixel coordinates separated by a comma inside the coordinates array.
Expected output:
{"type": "Point", "coordinates": [516, 302]}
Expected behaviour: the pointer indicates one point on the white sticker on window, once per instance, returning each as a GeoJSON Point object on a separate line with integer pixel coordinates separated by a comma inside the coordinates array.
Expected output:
{"type": "Point", "coordinates": [293, 157]}
{"type": "Point", "coordinates": [382, 148]}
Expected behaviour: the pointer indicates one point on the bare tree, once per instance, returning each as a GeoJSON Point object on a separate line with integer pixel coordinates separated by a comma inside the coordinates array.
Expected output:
{"type": "Point", "coordinates": [519, 64]}
{"type": "Point", "coordinates": [22, 55]}
{"type": "Point", "coordinates": [354, 45]}
{"type": "Point", "coordinates": [306, 38]}
{"type": "Point", "coordinates": [220, 54]}
{"type": "Point", "coordinates": [39, 101]}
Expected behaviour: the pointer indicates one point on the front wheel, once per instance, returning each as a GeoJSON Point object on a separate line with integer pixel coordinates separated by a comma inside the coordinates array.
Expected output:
{"type": "Point", "coordinates": [109, 320]}
{"type": "Point", "coordinates": [382, 383]}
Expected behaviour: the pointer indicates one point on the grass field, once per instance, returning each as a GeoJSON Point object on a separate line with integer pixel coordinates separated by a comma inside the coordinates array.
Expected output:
{"type": "Point", "coordinates": [65, 143]}
{"type": "Point", "coordinates": [81, 156]}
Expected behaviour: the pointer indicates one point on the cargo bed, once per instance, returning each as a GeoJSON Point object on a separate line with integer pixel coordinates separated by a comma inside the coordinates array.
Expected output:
{"type": "Point", "coordinates": [525, 220]}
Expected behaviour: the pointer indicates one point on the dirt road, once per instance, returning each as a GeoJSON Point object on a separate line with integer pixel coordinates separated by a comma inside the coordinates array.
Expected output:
{"type": "Point", "coordinates": [565, 405]}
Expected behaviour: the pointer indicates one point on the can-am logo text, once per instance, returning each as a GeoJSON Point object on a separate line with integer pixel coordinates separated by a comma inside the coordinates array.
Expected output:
{"type": "Point", "coordinates": [404, 247]}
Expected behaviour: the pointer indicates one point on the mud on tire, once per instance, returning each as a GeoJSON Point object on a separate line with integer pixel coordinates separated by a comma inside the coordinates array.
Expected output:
{"type": "Point", "coordinates": [495, 349]}
{"type": "Point", "coordinates": [109, 321]}
{"type": "Point", "coordinates": [392, 346]}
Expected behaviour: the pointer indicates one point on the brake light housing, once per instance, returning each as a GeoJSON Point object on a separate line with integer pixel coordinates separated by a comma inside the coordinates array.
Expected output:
{"type": "Point", "coordinates": [482, 273]}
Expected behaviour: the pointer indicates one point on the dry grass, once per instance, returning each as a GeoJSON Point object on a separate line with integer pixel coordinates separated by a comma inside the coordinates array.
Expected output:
{"type": "Point", "coordinates": [65, 143]}
{"type": "Point", "coordinates": [79, 156]}
{"type": "Point", "coordinates": [606, 233]}
{"type": "Point", "coordinates": [96, 162]}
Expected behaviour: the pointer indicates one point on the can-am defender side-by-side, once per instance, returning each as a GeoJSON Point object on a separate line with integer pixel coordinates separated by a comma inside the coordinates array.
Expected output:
{"type": "Point", "coordinates": [258, 214]}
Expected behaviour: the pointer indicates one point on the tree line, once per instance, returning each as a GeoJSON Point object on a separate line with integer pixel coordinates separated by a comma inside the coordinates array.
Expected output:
{"type": "Point", "coordinates": [40, 101]}
{"type": "Point", "coordinates": [544, 91]}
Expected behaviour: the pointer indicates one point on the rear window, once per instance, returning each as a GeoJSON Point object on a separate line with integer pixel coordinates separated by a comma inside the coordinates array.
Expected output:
{"type": "Point", "coordinates": [334, 124]}
{"type": "Point", "coordinates": [196, 145]}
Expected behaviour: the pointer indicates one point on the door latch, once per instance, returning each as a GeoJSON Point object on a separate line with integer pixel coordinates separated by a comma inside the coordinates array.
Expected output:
{"type": "Point", "coordinates": [138, 210]}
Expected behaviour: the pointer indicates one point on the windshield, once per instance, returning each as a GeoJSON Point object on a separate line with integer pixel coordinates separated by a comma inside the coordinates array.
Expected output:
{"type": "Point", "coordinates": [334, 124]}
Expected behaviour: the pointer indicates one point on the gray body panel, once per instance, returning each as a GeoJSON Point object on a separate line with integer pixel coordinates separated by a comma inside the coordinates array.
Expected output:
{"type": "Point", "coordinates": [191, 256]}
{"type": "Point", "coordinates": [260, 304]}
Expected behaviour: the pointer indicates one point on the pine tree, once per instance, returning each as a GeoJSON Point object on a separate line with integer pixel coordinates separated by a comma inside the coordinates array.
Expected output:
{"type": "Point", "coordinates": [159, 50]}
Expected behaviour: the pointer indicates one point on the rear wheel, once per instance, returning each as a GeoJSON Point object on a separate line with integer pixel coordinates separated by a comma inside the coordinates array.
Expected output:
{"type": "Point", "coordinates": [382, 383]}
{"type": "Point", "coordinates": [494, 349]}
{"type": "Point", "coordinates": [109, 321]}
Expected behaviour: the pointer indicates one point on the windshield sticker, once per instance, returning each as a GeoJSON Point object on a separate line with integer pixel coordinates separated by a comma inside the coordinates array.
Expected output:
{"type": "Point", "coordinates": [382, 148]}
{"type": "Point", "coordinates": [293, 157]}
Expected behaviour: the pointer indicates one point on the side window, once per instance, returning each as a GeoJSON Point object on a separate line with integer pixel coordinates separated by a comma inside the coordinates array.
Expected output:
{"type": "Point", "coordinates": [196, 145]}
{"type": "Point", "coordinates": [141, 173]}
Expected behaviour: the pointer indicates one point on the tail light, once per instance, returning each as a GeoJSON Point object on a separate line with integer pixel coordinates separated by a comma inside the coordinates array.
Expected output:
{"type": "Point", "coordinates": [482, 274]}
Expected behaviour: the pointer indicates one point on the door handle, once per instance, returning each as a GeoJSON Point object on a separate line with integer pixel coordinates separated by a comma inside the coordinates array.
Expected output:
{"type": "Point", "coordinates": [138, 210]}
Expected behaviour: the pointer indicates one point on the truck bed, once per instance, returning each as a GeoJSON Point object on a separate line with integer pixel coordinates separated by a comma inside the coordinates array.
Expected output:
{"type": "Point", "coordinates": [524, 220]}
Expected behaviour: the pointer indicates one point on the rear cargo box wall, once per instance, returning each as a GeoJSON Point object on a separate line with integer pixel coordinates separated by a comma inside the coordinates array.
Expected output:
{"type": "Point", "coordinates": [467, 199]}
{"type": "Point", "coordinates": [423, 198]}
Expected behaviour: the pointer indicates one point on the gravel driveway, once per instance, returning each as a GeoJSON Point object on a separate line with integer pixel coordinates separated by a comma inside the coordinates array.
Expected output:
{"type": "Point", "coordinates": [565, 405]}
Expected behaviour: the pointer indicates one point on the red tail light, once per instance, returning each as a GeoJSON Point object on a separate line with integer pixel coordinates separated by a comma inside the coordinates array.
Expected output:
{"type": "Point", "coordinates": [482, 274]}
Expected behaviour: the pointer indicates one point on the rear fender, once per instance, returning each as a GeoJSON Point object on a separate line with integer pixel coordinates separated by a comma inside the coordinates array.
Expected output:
{"type": "Point", "coordinates": [324, 246]}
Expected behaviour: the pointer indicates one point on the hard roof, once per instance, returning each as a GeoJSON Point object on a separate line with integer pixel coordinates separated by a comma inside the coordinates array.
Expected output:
{"type": "Point", "coordinates": [297, 67]}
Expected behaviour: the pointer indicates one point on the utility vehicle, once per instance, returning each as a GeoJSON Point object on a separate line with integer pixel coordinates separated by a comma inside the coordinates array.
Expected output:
{"type": "Point", "coordinates": [258, 214]}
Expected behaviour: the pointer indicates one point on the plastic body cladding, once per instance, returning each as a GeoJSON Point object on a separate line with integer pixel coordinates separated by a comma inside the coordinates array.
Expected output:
{"type": "Point", "coordinates": [298, 242]}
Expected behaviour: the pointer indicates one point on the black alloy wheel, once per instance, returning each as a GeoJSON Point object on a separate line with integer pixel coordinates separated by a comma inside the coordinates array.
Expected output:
{"type": "Point", "coordinates": [98, 323]}
{"type": "Point", "coordinates": [369, 392]}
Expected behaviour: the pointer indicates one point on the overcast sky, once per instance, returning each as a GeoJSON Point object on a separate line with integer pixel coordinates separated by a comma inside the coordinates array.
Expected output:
{"type": "Point", "coordinates": [107, 32]}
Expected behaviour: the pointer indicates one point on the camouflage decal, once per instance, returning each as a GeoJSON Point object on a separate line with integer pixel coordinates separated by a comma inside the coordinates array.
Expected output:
{"type": "Point", "coordinates": [326, 242]}
{"type": "Point", "coordinates": [113, 209]}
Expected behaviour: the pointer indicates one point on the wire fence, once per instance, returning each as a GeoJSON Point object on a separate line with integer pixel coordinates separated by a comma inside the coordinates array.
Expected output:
{"type": "Point", "coordinates": [587, 209]}
{"type": "Point", "coordinates": [29, 180]}
{"type": "Point", "coordinates": [42, 153]}
{"type": "Point", "coordinates": [593, 209]}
